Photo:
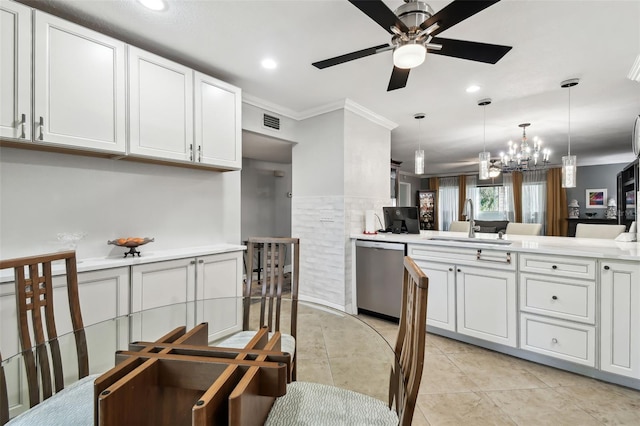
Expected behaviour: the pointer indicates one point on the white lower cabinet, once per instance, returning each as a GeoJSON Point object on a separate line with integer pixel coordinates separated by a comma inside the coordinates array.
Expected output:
{"type": "Point", "coordinates": [487, 307]}
{"type": "Point", "coordinates": [214, 281]}
{"type": "Point", "coordinates": [156, 285]}
{"type": "Point", "coordinates": [218, 288]}
{"type": "Point", "coordinates": [620, 318]}
{"type": "Point", "coordinates": [441, 304]}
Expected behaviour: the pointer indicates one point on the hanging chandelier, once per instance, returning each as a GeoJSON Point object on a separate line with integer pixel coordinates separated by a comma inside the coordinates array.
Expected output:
{"type": "Point", "coordinates": [524, 157]}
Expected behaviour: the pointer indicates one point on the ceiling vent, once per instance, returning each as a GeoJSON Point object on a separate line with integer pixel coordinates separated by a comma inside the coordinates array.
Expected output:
{"type": "Point", "coordinates": [270, 122]}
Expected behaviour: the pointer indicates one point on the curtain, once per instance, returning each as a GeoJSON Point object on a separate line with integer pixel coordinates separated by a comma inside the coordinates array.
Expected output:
{"type": "Point", "coordinates": [434, 184]}
{"type": "Point", "coordinates": [517, 196]}
{"type": "Point", "coordinates": [472, 184]}
{"type": "Point", "coordinates": [534, 197]}
{"type": "Point", "coordinates": [509, 202]}
{"type": "Point", "coordinates": [448, 198]}
{"type": "Point", "coordinates": [556, 204]}
{"type": "Point", "coordinates": [462, 195]}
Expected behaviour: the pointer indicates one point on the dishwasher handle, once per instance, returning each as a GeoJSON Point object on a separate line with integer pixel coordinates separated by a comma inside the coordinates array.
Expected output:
{"type": "Point", "coordinates": [380, 245]}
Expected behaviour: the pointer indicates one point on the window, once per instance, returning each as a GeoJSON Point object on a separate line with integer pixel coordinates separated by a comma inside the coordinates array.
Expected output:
{"type": "Point", "coordinates": [491, 202]}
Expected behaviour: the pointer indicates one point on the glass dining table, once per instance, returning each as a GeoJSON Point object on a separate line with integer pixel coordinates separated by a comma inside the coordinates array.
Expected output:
{"type": "Point", "coordinates": [332, 347]}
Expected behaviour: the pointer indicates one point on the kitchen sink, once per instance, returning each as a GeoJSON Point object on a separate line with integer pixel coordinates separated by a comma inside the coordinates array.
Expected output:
{"type": "Point", "coordinates": [495, 242]}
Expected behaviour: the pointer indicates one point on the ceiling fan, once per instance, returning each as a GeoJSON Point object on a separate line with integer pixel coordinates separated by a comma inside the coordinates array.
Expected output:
{"type": "Point", "coordinates": [414, 27]}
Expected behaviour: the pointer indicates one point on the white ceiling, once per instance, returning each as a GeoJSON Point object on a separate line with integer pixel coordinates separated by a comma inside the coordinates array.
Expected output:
{"type": "Point", "coordinates": [596, 41]}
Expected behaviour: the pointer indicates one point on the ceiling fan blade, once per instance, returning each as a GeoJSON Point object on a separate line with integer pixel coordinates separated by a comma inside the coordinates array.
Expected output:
{"type": "Point", "coordinates": [471, 50]}
{"type": "Point", "coordinates": [351, 56]}
{"type": "Point", "coordinates": [455, 13]}
{"type": "Point", "coordinates": [379, 12]}
{"type": "Point", "coordinates": [399, 78]}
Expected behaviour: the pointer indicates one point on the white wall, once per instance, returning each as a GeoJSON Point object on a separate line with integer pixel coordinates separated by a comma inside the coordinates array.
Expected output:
{"type": "Point", "coordinates": [42, 194]}
{"type": "Point", "coordinates": [266, 208]}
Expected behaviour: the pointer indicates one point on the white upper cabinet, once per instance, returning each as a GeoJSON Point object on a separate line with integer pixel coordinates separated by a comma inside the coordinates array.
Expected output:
{"type": "Point", "coordinates": [160, 107]}
{"type": "Point", "coordinates": [217, 122]}
{"type": "Point", "coordinates": [79, 87]}
{"type": "Point", "coordinates": [15, 71]}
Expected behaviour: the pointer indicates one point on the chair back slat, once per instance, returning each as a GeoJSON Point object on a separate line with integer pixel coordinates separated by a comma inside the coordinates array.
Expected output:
{"type": "Point", "coordinates": [35, 311]}
{"type": "Point", "coordinates": [409, 348]}
{"type": "Point", "coordinates": [4, 399]}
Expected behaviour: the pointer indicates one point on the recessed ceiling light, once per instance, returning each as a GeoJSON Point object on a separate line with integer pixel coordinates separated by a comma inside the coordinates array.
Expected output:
{"type": "Point", "coordinates": [269, 64]}
{"type": "Point", "coordinates": [154, 4]}
{"type": "Point", "coordinates": [473, 89]}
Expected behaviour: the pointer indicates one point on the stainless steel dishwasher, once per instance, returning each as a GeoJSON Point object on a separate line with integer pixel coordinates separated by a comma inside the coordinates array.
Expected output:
{"type": "Point", "coordinates": [379, 269]}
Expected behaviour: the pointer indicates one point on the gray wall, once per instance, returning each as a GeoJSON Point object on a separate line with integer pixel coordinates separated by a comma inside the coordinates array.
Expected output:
{"type": "Point", "coordinates": [266, 208]}
{"type": "Point", "coordinates": [415, 183]}
{"type": "Point", "coordinates": [594, 177]}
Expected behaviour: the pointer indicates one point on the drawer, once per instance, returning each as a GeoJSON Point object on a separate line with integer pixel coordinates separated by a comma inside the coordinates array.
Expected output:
{"type": "Point", "coordinates": [558, 297]}
{"type": "Point", "coordinates": [476, 256]}
{"type": "Point", "coordinates": [559, 339]}
{"type": "Point", "coordinates": [560, 266]}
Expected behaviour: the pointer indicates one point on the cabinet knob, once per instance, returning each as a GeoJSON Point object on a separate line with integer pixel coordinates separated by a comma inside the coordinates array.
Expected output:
{"type": "Point", "coordinates": [554, 267]}
{"type": "Point", "coordinates": [193, 262]}
{"type": "Point", "coordinates": [459, 270]}
{"type": "Point", "coordinates": [200, 261]}
{"type": "Point", "coordinates": [554, 297]}
{"type": "Point", "coordinates": [450, 269]}
{"type": "Point", "coordinates": [606, 267]}
{"type": "Point", "coordinates": [554, 340]}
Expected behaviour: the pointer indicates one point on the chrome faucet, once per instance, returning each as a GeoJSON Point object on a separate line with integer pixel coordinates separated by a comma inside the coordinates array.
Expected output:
{"type": "Point", "coordinates": [468, 211]}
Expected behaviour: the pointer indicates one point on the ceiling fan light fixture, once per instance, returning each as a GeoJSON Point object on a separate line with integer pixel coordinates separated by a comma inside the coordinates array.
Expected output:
{"type": "Point", "coordinates": [409, 55]}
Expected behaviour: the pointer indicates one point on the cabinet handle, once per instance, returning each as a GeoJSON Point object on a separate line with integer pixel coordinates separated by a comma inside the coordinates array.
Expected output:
{"type": "Point", "coordinates": [459, 270]}
{"type": "Point", "coordinates": [554, 340]}
{"type": "Point", "coordinates": [23, 124]}
{"type": "Point", "coordinates": [450, 269]}
{"type": "Point", "coordinates": [554, 267]}
{"type": "Point", "coordinates": [554, 297]}
{"type": "Point", "coordinates": [200, 261]}
{"type": "Point", "coordinates": [199, 153]}
{"type": "Point", "coordinates": [606, 267]}
{"type": "Point", "coordinates": [193, 262]}
{"type": "Point", "coordinates": [190, 152]}
{"type": "Point", "coordinates": [41, 127]}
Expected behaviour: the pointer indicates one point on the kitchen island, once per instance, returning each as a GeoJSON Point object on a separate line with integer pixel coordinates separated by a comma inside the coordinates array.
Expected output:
{"type": "Point", "coordinates": [570, 303]}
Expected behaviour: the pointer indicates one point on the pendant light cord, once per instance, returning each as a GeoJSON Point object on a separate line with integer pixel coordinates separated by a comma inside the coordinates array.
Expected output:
{"type": "Point", "coordinates": [484, 128]}
{"type": "Point", "coordinates": [569, 121]}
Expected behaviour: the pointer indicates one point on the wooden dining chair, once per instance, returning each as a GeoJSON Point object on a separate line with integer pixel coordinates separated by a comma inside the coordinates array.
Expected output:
{"type": "Point", "coordinates": [268, 256]}
{"type": "Point", "coordinates": [313, 403]}
{"type": "Point", "coordinates": [39, 341]}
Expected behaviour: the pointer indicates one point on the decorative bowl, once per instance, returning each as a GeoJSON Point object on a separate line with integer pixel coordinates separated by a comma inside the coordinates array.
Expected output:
{"type": "Point", "coordinates": [591, 215]}
{"type": "Point", "coordinates": [131, 243]}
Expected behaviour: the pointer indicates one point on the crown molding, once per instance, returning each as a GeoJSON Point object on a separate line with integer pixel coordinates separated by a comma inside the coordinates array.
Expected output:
{"type": "Point", "coordinates": [345, 104]}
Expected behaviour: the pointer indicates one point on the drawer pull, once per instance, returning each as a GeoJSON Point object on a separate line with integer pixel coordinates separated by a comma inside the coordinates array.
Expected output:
{"type": "Point", "coordinates": [554, 267]}
{"type": "Point", "coordinates": [554, 297]}
{"type": "Point", "coordinates": [479, 254]}
{"type": "Point", "coordinates": [23, 124]}
{"type": "Point", "coordinates": [450, 269]}
{"type": "Point", "coordinates": [459, 270]}
{"type": "Point", "coordinates": [606, 267]}
{"type": "Point", "coordinates": [554, 340]}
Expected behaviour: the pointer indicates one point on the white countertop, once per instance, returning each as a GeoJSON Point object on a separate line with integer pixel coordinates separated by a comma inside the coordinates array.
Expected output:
{"type": "Point", "coordinates": [586, 247]}
{"type": "Point", "coordinates": [148, 256]}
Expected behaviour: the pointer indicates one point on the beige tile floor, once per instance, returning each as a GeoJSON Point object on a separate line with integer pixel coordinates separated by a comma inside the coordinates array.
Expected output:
{"type": "Point", "coordinates": [462, 384]}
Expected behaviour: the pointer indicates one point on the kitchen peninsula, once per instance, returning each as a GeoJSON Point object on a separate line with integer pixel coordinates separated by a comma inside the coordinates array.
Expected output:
{"type": "Point", "coordinates": [569, 303]}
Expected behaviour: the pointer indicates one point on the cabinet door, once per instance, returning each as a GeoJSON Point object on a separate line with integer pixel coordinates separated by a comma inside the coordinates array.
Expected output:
{"type": "Point", "coordinates": [441, 305]}
{"type": "Point", "coordinates": [160, 107]}
{"type": "Point", "coordinates": [15, 71]}
{"type": "Point", "coordinates": [218, 122]}
{"type": "Point", "coordinates": [218, 289]}
{"type": "Point", "coordinates": [620, 318]}
{"type": "Point", "coordinates": [487, 304]}
{"type": "Point", "coordinates": [79, 87]}
{"type": "Point", "coordinates": [154, 286]}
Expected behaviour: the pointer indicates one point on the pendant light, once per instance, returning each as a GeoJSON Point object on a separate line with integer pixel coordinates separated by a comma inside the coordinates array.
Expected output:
{"type": "Point", "coordinates": [484, 158]}
{"type": "Point", "coordinates": [419, 157]}
{"type": "Point", "coordinates": [569, 161]}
